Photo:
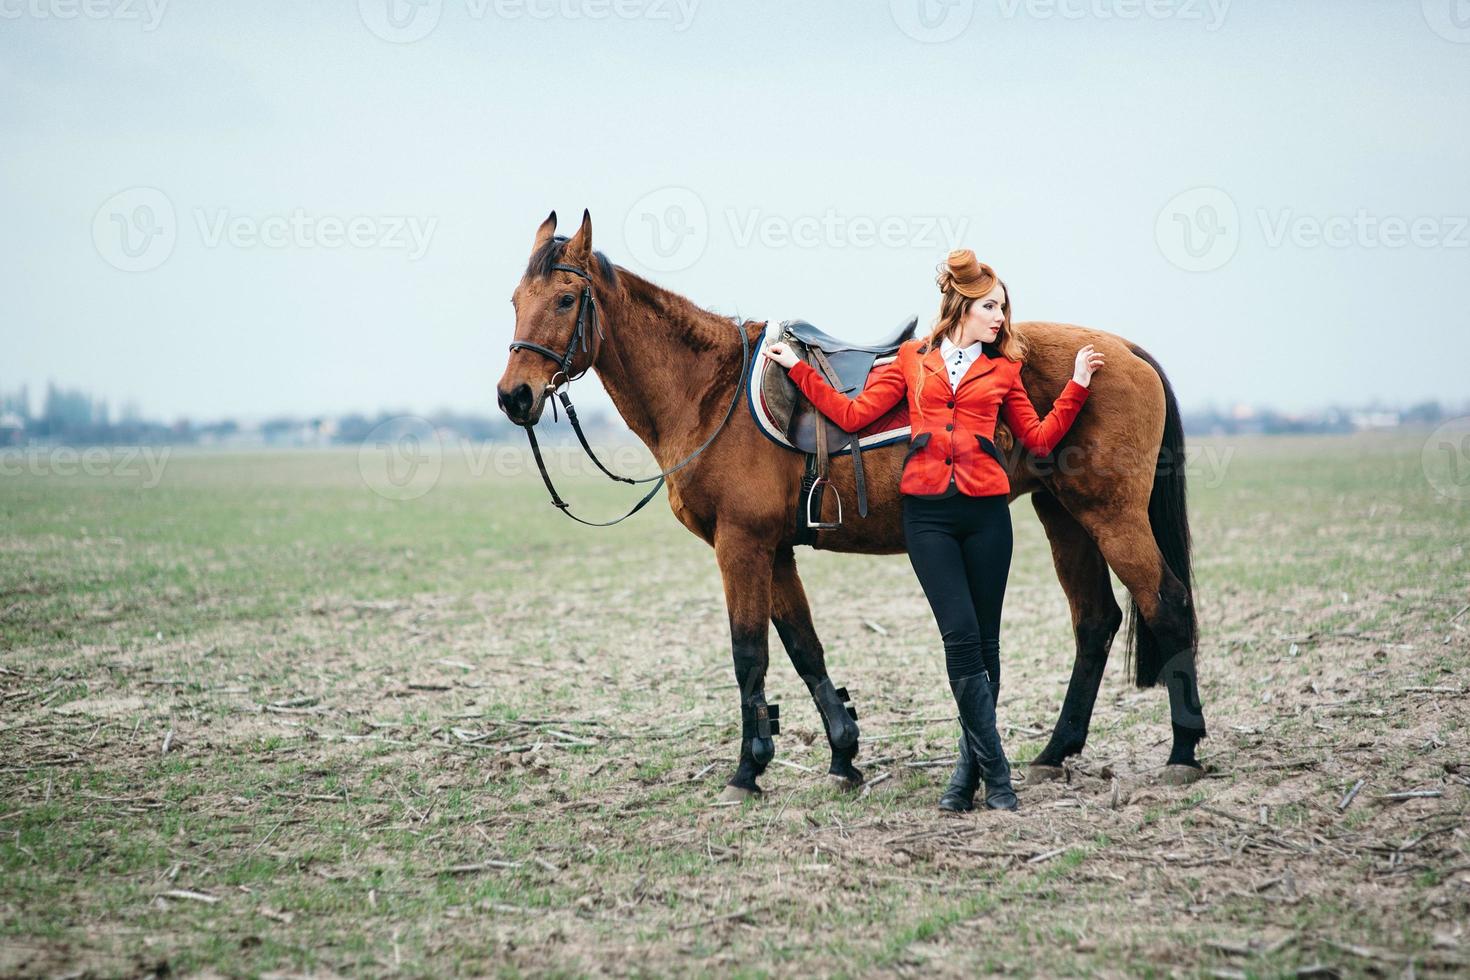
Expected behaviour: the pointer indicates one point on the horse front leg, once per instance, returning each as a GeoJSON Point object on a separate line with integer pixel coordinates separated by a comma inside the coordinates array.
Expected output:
{"type": "Point", "coordinates": [792, 617]}
{"type": "Point", "coordinates": [745, 566]}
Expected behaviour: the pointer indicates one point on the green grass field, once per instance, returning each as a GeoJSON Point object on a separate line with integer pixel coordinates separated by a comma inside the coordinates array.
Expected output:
{"type": "Point", "coordinates": [260, 719]}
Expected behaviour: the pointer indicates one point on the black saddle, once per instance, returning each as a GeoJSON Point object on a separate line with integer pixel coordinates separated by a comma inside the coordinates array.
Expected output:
{"type": "Point", "coordinates": [812, 337]}
{"type": "Point", "coordinates": [846, 367]}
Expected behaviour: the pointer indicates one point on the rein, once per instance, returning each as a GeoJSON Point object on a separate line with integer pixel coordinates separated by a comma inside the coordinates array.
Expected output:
{"type": "Point", "coordinates": [588, 320]}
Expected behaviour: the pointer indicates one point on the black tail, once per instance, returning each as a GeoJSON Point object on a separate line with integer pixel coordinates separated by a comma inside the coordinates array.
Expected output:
{"type": "Point", "coordinates": [1169, 518]}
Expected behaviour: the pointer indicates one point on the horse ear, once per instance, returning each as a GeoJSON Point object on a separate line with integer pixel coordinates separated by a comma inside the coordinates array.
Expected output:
{"type": "Point", "coordinates": [581, 243]}
{"type": "Point", "coordinates": [546, 231]}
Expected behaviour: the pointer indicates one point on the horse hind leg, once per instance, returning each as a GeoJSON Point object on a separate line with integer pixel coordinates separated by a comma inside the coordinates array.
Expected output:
{"type": "Point", "coordinates": [745, 566]}
{"type": "Point", "coordinates": [792, 617]}
{"type": "Point", "coordinates": [1095, 621]}
{"type": "Point", "coordinates": [1162, 633]}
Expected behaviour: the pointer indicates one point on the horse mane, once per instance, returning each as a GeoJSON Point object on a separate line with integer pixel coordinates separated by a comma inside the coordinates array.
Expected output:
{"type": "Point", "coordinates": [550, 254]}
{"type": "Point", "coordinates": [703, 331]}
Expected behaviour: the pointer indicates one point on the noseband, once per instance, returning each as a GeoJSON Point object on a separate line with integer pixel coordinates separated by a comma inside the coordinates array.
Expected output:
{"type": "Point", "coordinates": [587, 322]}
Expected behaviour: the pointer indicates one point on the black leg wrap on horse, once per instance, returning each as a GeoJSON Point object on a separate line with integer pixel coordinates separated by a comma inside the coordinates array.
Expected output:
{"type": "Point", "coordinates": [839, 717]}
{"type": "Point", "coordinates": [1185, 740]}
{"type": "Point", "coordinates": [760, 721]}
{"type": "Point", "coordinates": [1185, 711]}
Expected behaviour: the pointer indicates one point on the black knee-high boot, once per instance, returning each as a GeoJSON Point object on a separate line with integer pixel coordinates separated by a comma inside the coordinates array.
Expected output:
{"type": "Point", "coordinates": [959, 795]}
{"type": "Point", "coordinates": [990, 657]}
{"type": "Point", "coordinates": [976, 700]}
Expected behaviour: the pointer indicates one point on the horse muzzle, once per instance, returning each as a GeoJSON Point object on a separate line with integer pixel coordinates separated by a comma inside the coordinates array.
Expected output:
{"type": "Point", "coordinates": [521, 403]}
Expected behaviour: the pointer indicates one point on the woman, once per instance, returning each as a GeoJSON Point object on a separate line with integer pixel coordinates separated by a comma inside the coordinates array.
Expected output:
{"type": "Point", "coordinates": [956, 518]}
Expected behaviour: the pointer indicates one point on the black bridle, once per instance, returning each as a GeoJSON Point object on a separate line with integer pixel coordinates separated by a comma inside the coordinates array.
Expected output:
{"type": "Point", "coordinates": [586, 313]}
{"type": "Point", "coordinates": [588, 323]}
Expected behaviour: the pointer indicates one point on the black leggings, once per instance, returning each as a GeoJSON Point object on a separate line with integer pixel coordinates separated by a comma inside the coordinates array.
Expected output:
{"type": "Point", "coordinates": [960, 548]}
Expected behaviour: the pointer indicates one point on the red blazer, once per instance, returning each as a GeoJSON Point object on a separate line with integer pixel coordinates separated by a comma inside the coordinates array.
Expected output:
{"type": "Point", "coordinates": [951, 432]}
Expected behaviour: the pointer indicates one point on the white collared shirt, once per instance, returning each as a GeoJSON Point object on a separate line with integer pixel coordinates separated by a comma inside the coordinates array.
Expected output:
{"type": "Point", "coordinates": [957, 360]}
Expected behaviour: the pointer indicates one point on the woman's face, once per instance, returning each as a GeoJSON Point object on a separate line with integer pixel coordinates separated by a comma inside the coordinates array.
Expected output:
{"type": "Point", "coordinates": [985, 317]}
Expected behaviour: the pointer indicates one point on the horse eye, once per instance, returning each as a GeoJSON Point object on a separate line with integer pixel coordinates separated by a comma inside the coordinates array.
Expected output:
{"type": "Point", "coordinates": [566, 301]}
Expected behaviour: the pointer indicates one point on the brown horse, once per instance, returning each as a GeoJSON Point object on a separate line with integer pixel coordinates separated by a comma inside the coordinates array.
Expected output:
{"type": "Point", "coordinates": [1112, 495]}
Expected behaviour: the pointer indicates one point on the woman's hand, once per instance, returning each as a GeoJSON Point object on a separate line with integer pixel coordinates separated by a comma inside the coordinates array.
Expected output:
{"type": "Point", "coordinates": [1088, 361]}
{"type": "Point", "coordinates": [782, 355]}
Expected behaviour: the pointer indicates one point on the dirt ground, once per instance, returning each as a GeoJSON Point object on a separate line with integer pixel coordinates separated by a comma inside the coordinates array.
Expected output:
{"type": "Point", "coordinates": [259, 720]}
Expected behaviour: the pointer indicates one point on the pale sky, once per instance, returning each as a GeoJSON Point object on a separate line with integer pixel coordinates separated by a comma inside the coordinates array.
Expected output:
{"type": "Point", "coordinates": [244, 209]}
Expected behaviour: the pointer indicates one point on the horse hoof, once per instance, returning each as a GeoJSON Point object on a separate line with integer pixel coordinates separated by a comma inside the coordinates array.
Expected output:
{"type": "Point", "coordinates": [844, 783]}
{"type": "Point", "coordinates": [1181, 775]}
{"type": "Point", "coordinates": [738, 794]}
{"type": "Point", "coordinates": [1044, 774]}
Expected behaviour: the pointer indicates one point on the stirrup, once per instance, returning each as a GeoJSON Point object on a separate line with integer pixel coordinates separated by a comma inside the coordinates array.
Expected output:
{"type": "Point", "coordinates": [817, 525]}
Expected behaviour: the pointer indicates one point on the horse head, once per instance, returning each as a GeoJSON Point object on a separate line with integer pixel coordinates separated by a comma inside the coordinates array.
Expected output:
{"type": "Point", "coordinates": [558, 330]}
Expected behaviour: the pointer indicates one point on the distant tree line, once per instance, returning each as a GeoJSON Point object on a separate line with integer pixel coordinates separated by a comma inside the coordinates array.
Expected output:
{"type": "Point", "coordinates": [72, 417]}
{"type": "Point", "coordinates": [1243, 420]}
